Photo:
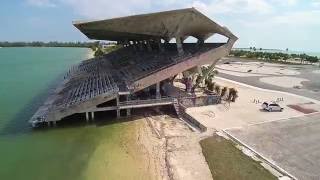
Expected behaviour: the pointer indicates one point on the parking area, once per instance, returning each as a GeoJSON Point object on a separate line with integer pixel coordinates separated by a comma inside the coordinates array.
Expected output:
{"type": "Point", "coordinates": [292, 144]}
{"type": "Point", "coordinates": [247, 108]}
{"type": "Point", "coordinates": [297, 79]}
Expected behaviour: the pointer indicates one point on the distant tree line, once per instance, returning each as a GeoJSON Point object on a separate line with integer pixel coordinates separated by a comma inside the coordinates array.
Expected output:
{"type": "Point", "coordinates": [49, 44]}
{"type": "Point", "coordinates": [274, 56]}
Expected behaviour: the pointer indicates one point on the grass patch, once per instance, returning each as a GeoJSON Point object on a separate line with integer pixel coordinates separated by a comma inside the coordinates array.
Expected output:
{"type": "Point", "coordinates": [226, 162]}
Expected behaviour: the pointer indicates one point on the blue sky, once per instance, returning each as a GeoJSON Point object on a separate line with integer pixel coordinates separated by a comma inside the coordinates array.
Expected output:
{"type": "Point", "coordinates": [293, 24]}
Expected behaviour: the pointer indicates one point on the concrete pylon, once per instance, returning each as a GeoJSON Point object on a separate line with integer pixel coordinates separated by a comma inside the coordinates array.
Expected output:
{"type": "Point", "coordinates": [149, 46]}
{"type": "Point", "coordinates": [140, 45]}
{"type": "Point", "coordinates": [87, 117]}
{"type": "Point", "coordinates": [92, 115]}
{"type": "Point", "coordinates": [128, 112]}
{"type": "Point", "coordinates": [118, 113]}
{"type": "Point", "coordinates": [200, 41]}
{"type": "Point", "coordinates": [158, 94]}
{"type": "Point", "coordinates": [118, 110]}
{"type": "Point", "coordinates": [160, 45]}
{"type": "Point", "coordinates": [179, 45]}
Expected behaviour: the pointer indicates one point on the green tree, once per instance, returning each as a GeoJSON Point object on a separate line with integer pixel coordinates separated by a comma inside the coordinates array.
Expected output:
{"type": "Point", "coordinates": [224, 91]}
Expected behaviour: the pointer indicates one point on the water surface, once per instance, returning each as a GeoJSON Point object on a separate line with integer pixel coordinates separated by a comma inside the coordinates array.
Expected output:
{"type": "Point", "coordinates": [80, 151]}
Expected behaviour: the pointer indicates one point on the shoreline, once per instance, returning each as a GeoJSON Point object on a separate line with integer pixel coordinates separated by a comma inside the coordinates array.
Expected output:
{"type": "Point", "coordinates": [90, 54]}
{"type": "Point", "coordinates": [174, 148]}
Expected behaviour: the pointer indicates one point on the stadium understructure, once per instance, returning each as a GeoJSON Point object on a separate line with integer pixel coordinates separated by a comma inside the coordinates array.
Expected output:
{"type": "Point", "coordinates": [135, 75]}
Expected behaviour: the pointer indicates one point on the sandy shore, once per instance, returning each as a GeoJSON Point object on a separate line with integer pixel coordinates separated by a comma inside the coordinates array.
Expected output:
{"type": "Point", "coordinates": [90, 54]}
{"type": "Point", "coordinates": [172, 149]}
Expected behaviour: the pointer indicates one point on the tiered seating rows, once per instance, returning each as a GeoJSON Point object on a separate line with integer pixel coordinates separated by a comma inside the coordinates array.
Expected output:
{"type": "Point", "coordinates": [91, 87]}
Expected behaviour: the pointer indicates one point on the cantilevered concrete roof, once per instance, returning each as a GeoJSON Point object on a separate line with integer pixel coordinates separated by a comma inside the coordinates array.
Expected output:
{"type": "Point", "coordinates": [166, 25]}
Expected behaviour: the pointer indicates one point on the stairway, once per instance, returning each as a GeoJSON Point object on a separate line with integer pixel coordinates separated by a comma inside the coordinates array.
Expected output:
{"type": "Point", "coordinates": [189, 120]}
{"type": "Point", "coordinates": [176, 106]}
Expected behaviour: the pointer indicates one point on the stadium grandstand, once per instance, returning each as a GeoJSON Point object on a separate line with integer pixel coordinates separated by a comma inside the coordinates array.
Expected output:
{"type": "Point", "coordinates": [135, 75]}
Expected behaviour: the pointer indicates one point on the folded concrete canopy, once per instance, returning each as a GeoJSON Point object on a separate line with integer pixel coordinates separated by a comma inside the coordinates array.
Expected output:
{"type": "Point", "coordinates": [146, 59]}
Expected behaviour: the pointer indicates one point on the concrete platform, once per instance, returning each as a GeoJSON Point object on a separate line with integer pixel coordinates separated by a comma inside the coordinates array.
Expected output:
{"type": "Point", "coordinates": [292, 144]}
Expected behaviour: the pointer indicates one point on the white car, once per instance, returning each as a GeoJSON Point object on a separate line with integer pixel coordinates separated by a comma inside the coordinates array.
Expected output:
{"type": "Point", "coordinates": [271, 107]}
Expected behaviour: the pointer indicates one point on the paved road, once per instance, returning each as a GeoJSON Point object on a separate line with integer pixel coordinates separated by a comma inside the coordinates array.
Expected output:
{"type": "Point", "coordinates": [293, 144]}
{"type": "Point", "coordinates": [310, 89]}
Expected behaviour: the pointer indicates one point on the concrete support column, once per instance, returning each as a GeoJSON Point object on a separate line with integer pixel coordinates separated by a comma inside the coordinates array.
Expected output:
{"type": "Point", "coordinates": [179, 45]}
{"type": "Point", "coordinates": [48, 123]}
{"type": "Point", "coordinates": [200, 42]}
{"type": "Point", "coordinates": [140, 45]}
{"type": "Point", "coordinates": [128, 110]}
{"type": "Point", "coordinates": [160, 46]}
{"type": "Point", "coordinates": [54, 123]}
{"type": "Point", "coordinates": [92, 115]}
{"type": "Point", "coordinates": [87, 117]}
{"type": "Point", "coordinates": [134, 46]}
{"type": "Point", "coordinates": [118, 113]}
{"type": "Point", "coordinates": [149, 46]}
{"type": "Point", "coordinates": [158, 94]}
{"type": "Point", "coordinates": [118, 110]}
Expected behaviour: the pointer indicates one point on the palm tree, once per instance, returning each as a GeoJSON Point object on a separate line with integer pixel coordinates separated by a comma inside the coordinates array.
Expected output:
{"type": "Point", "coordinates": [235, 96]}
{"type": "Point", "coordinates": [207, 75]}
{"type": "Point", "coordinates": [199, 79]}
{"type": "Point", "coordinates": [230, 95]}
{"type": "Point", "coordinates": [217, 89]}
{"type": "Point", "coordinates": [210, 86]}
{"type": "Point", "coordinates": [224, 91]}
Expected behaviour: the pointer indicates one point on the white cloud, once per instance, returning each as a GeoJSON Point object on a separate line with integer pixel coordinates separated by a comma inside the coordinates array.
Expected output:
{"type": "Point", "coordinates": [310, 17]}
{"type": "Point", "coordinates": [114, 8]}
{"type": "Point", "coordinates": [301, 19]}
{"type": "Point", "coordinates": [315, 3]}
{"type": "Point", "coordinates": [286, 2]}
{"type": "Point", "coordinates": [41, 3]}
{"type": "Point", "coordinates": [235, 6]}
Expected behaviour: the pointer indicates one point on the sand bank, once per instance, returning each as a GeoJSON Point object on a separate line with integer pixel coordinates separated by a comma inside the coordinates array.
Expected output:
{"type": "Point", "coordinates": [155, 146]}
{"type": "Point", "coordinates": [183, 154]}
{"type": "Point", "coordinates": [129, 152]}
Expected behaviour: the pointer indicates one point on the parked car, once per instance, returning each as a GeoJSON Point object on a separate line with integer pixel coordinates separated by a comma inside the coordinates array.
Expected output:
{"type": "Point", "coordinates": [271, 107]}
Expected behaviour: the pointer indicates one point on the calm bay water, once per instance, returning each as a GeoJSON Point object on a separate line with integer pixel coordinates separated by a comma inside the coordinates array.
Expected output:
{"type": "Point", "coordinates": [27, 75]}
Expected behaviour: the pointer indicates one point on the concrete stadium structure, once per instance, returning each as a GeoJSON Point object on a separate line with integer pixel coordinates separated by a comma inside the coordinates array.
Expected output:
{"type": "Point", "coordinates": [135, 75]}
